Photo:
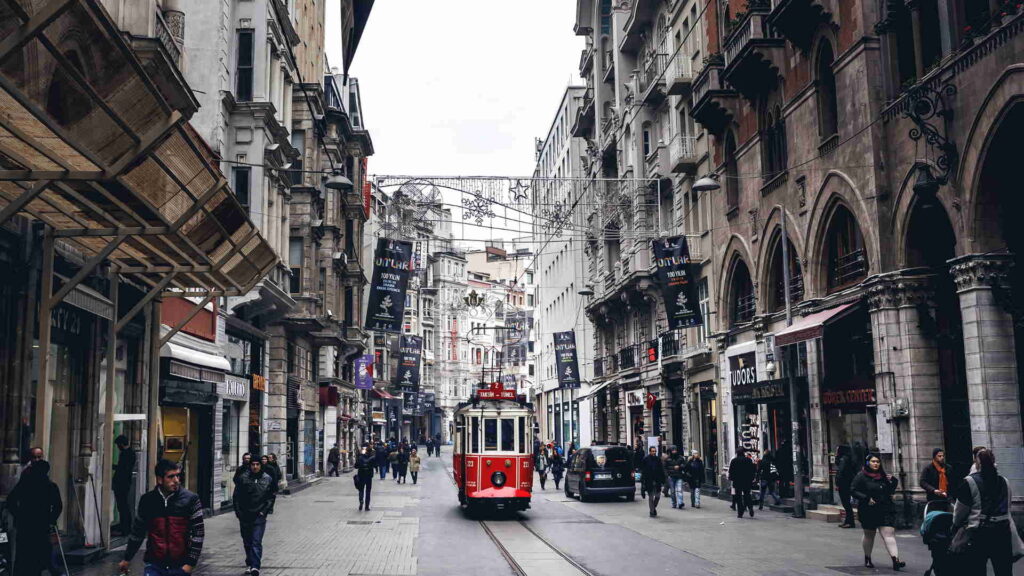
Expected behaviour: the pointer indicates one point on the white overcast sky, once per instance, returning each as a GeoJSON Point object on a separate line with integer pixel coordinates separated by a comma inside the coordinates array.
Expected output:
{"type": "Point", "coordinates": [460, 87]}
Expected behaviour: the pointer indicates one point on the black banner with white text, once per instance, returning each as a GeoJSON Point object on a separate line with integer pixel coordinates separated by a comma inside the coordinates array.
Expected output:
{"type": "Point", "coordinates": [566, 362]}
{"type": "Point", "coordinates": [391, 263]}
{"type": "Point", "coordinates": [678, 281]}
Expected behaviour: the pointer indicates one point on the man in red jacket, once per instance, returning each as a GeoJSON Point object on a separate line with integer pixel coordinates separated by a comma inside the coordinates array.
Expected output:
{"type": "Point", "coordinates": [170, 518]}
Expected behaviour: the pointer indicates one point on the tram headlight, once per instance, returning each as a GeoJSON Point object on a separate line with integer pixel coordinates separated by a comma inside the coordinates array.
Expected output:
{"type": "Point", "coordinates": [498, 479]}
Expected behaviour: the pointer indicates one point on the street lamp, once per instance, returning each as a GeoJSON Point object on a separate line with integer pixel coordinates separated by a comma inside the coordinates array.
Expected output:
{"type": "Point", "coordinates": [339, 181]}
{"type": "Point", "coordinates": [587, 290]}
{"type": "Point", "coordinates": [708, 183]}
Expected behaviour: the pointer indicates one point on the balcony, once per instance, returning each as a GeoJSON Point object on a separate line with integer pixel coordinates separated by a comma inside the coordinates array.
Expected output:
{"type": "Point", "coordinates": [672, 345]}
{"type": "Point", "coordinates": [609, 127]}
{"type": "Point", "coordinates": [848, 268]}
{"type": "Point", "coordinates": [586, 61]}
{"type": "Point", "coordinates": [657, 162]}
{"type": "Point", "coordinates": [714, 104]}
{"type": "Point", "coordinates": [651, 80]}
{"type": "Point", "coordinates": [683, 154]}
{"type": "Point", "coordinates": [583, 125]}
{"type": "Point", "coordinates": [796, 20]}
{"type": "Point", "coordinates": [641, 17]}
{"type": "Point", "coordinates": [680, 73]}
{"type": "Point", "coordinates": [754, 52]}
{"type": "Point", "coordinates": [628, 357]}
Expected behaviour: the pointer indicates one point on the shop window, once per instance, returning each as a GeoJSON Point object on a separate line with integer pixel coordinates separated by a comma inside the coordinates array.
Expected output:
{"type": "Point", "coordinates": [742, 294]}
{"type": "Point", "coordinates": [828, 108]}
{"type": "Point", "coordinates": [846, 258]}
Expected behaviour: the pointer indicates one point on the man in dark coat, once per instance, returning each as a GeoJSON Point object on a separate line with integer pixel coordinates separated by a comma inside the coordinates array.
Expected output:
{"type": "Point", "coordinates": [742, 472]}
{"type": "Point", "coordinates": [937, 477]}
{"type": "Point", "coordinates": [333, 461]}
{"type": "Point", "coordinates": [121, 483]}
{"type": "Point", "coordinates": [36, 505]}
{"type": "Point", "coordinates": [251, 499]}
{"type": "Point", "coordinates": [846, 469]}
{"type": "Point", "coordinates": [652, 477]}
{"type": "Point", "coordinates": [675, 469]}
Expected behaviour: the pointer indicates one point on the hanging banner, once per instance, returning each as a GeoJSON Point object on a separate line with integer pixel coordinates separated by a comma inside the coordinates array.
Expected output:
{"type": "Point", "coordinates": [409, 353]}
{"type": "Point", "coordinates": [678, 280]}
{"type": "Point", "coordinates": [566, 363]}
{"type": "Point", "coordinates": [391, 264]}
{"type": "Point", "coordinates": [364, 379]}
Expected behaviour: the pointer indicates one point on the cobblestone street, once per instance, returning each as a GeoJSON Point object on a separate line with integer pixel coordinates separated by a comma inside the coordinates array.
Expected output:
{"type": "Point", "coordinates": [418, 529]}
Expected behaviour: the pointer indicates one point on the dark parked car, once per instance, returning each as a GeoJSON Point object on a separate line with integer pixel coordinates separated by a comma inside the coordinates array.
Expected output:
{"type": "Point", "coordinates": [601, 471]}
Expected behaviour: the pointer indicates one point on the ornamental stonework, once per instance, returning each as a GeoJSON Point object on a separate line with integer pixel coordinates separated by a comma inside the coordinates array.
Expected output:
{"type": "Point", "coordinates": [896, 290]}
{"type": "Point", "coordinates": [981, 271]}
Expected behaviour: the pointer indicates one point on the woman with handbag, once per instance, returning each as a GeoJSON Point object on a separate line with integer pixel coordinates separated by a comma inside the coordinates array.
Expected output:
{"type": "Point", "coordinates": [984, 530]}
{"type": "Point", "coordinates": [876, 510]}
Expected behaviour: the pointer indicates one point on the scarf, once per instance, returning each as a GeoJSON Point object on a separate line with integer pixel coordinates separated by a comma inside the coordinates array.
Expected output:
{"type": "Point", "coordinates": [872, 473]}
{"type": "Point", "coordinates": [943, 482]}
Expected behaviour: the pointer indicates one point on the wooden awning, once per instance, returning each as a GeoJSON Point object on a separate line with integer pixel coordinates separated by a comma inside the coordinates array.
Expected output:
{"type": "Point", "coordinates": [90, 147]}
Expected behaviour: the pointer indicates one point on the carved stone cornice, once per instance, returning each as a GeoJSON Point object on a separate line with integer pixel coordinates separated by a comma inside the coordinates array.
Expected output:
{"type": "Point", "coordinates": [901, 289]}
{"type": "Point", "coordinates": [760, 326]}
{"type": "Point", "coordinates": [981, 271]}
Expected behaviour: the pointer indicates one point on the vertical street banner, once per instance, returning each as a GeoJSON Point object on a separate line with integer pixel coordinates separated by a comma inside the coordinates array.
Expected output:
{"type": "Point", "coordinates": [364, 375]}
{"type": "Point", "coordinates": [407, 378]}
{"type": "Point", "coordinates": [391, 267]}
{"type": "Point", "coordinates": [677, 279]}
{"type": "Point", "coordinates": [515, 339]}
{"type": "Point", "coordinates": [566, 363]}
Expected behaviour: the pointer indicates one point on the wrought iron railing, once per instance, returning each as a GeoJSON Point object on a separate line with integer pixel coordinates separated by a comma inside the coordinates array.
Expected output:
{"type": "Point", "coordinates": [628, 357]}
{"type": "Point", "coordinates": [847, 268]}
{"type": "Point", "coordinates": [683, 146]}
{"type": "Point", "coordinates": [653, 71]}
{"type": "Point", "coordinates": [163, 34]}
{"type": "Point", "coordinates": [744, 308]}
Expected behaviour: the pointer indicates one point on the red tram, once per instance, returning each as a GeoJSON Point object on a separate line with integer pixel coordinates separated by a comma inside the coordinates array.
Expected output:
{"type": "Point", "coordinates": [493, 461]}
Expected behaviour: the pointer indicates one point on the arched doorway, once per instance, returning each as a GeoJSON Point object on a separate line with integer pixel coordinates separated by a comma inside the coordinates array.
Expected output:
{"type": "Point", "coordinates": [931, 243]}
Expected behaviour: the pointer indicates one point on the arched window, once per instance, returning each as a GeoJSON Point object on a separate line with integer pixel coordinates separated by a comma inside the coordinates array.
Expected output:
{"type": "Point", "coordinates": [742, 302]}
{"type": "Point", "coordinates": [828, 108]}
{"type": "Point", "coordinates": [732, 186]}
{"type": "Point", "coordinates": [846, 258]}
{"type": "Point", "coordinates": [772, 130]}
{"type": "Point", "coordinates": [776, 281]}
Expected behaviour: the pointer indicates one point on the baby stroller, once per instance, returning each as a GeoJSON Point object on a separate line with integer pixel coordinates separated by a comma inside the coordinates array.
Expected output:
{"type": "Point", "coordinates": [937, 533]}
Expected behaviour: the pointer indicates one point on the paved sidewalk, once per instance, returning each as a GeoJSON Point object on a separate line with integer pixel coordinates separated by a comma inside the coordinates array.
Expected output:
{"type": "Point", "coordinates": [318, 531]}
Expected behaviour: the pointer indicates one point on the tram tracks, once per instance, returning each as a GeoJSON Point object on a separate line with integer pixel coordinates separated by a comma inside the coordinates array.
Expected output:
{"type": "Point", "coordinates": [527, 552]}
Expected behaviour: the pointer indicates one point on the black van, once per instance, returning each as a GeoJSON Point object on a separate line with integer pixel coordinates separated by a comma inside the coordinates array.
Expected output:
{"type": "Point", "coordinates": [601, 471]}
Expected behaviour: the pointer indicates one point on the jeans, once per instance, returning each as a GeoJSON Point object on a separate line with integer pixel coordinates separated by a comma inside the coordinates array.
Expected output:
{"type": "Point", "coordinates": [364, 491]}
{"type": "Point", "coordinates": [653, 497]}
{"type": "Point", "coordinates": [741, 499]}
{"type": "Point", "coordinates": [394, 472]}
{"type": "Point", "coordinates": [678, 496]}
{"type": "Point", "coordinates": [383, 470]}
{"type": "Point", "coordinates": [694, 494]}
{"type": "Point", "coordinates": [769, 488]}
{"type": "Point", "coordinates": [333, 469]}
{"type": "Point", "coordinates": [414, 476]}
{"type": "Point", "coordinates": [252, 540]}
{"type": "Point", "coordinates": [155, 570]}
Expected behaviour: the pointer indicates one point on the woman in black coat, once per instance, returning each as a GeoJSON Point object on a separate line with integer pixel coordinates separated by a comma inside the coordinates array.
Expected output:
{"type": "Point", "coordinates": [557, 464]}
{"type": "Point", "coordinates": [366, 465]}
{"type": "Point", "coordinates": [876, 510]}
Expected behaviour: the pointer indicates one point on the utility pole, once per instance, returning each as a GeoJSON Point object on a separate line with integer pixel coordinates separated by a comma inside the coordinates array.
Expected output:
{"type": "Point", "coordinates": [798, 476]}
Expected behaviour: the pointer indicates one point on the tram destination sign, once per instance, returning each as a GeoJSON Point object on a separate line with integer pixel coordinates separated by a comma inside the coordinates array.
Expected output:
{"type": "Point", "coordinates": [496, 392]}
{"type": "Point", "coordinates": [566, 363]}
{"type": "Point", "coordinates": [675, 274]}
{"type": "Point", "coordinates": [391, 267]}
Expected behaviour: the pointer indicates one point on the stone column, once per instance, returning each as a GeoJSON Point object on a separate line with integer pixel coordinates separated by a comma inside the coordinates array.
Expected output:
{"type": "Point", "coordinates": [990, 354]}
{"type": "Point", "coordinates": [906, 361]}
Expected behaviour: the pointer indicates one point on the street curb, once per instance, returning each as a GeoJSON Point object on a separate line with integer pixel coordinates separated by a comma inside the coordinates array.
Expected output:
{"type": "Point", "coordinates": [300, 486]}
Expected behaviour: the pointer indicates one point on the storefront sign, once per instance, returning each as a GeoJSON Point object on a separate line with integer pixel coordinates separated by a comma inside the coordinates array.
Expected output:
{"type": "Point", "coordinates": [635, 397]}
{"type": "Point", "coordinates": [742, 371]}
{"type": "Point", "coordinates": [259, 383]}
{"type": "Point", "coordinates": [391, 265]}
{"type": "Point", "coordinates": [234, 388]}
{"type": "Point", "coordinates": [429, 402]}
{"type": "Point", "coordinates": [760, 392]}
{"type": "Point", "coordinates": [676, 276]}
{"type": "Point", "coordinates": [364, 377]}
{"type": "Point", "coordinates": [566, 363]}
{"type": "Point", "coordinates": [409, 355]}
{"type": "Point", "coordinates": [377, 416]}
{"type": "Point", "coordinates": [843, 398]}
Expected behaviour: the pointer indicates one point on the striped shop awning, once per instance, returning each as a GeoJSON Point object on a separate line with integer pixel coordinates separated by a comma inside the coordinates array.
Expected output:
{"type": "Point", "coordinates": [90, 146]}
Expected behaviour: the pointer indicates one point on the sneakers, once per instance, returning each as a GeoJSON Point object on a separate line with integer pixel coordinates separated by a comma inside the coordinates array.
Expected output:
{"type": "Point", "coordinates": [255, 572]}
{"type": "Point", "coordinates": [360, 505]}
{"type": "Point", "coordinates": [248, 569]}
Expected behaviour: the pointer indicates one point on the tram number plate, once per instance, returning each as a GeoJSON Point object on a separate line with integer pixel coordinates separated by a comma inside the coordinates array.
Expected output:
{"type": "Point", "coordinates": [603, 476]}
{"type": "Point", "coordinates": [3, 537]}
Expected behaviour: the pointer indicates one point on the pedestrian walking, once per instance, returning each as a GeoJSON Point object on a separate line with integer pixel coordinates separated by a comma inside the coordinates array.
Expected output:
{"type": "Point", "coordinates": [242, 468]}
{"type": "Point", "coordinates": [366, 463]}
{"type": "Point", "coordinates": [414, 464]}
{"type": "Point", "coordinates": [675, 468]}
{"type": "Point", "coordinates": [638, 459]}
{"type": "Point", "coordinates": [873, 489]}
{"type": "Point", "coordinates": [557, 465]}
{"type": "Point", "coordinates": [270, 467]}
{"type": "Point", "coordinates": [937, 477]}
{"type": "Point", "coordinates": [695, 473]}
{"type": "Point", "coordinates": [381, 456]}
{"type": "Point", "coordinates": [403, 464]}
{"type": "Point", "coordinates": [768, 479]}
{"type": "Point", "coordinates": [652, 476]}
{"type": "Point", "coordinates": [437, 444]}
{"type": "Point", "coordinates": [983, 509]}
{"type": "Point", "coordinates": [253, 493]}
{"type": "Point", "coordinates": [36, 505]}
{"type": "Point", "coordinates": [393, 463]}
{"type": "Point", "coordinates": [664, 459]}
{"type": "Point", "coordinates": [541, 463]}
{"type": "Point", "coordinates": [333, 461]}
{"type": "Point", "coordinates": [430, 448]}
{"type": "Point", "coordinates": [170, 519]}
{"type": "Point", "coordinates": [741, 473]}
{"type": "Point", "coordinates": [121, 483]}
{"type": "Point", "coordinates": [846, 470]}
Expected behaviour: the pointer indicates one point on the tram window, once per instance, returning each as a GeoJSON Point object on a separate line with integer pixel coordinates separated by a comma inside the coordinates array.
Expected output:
{"type": "Point", "coordinates": [522, 434]}
{"type": "Point", "coordinates": [490, 434]}
{"type": "Point", "coordinates": [508, 434]}
{"type": "Point", "coordinates": [475, 444]}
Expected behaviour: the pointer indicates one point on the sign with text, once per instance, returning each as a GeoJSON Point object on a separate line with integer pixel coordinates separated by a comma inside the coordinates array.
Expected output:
{"type": "Point", "coordinates": [677, 278]}
{"type": "Point", "coordinates": [391, 265]}
{"type": "Point", "coordinates": [364, 378]}
{"type": "Point", "coordinates": [566, 362]}
{"type": "Point", "coordinates": [742, 372]}
{"type": "Point", "coordinates": [409, 354]}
